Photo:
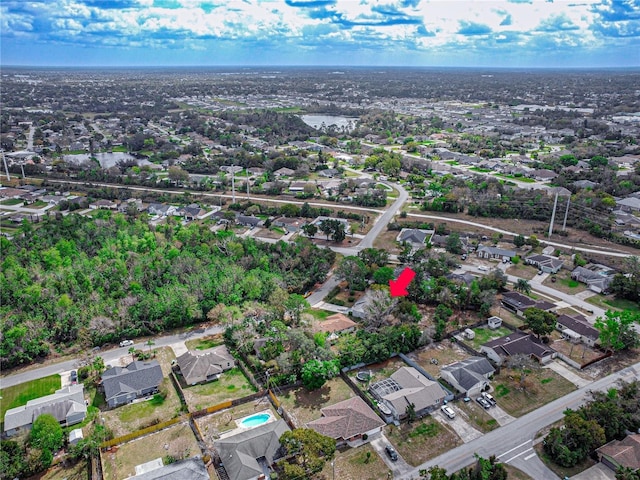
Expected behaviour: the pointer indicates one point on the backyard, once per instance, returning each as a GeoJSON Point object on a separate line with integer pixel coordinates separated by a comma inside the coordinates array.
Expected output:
{"type": "Point", "coordinates": [173, 443]}
{"type": "Point", "coordinates": [518, 396]}
{"type": "Point", "coordinates": [362, 463]}
{"type": "Point", "coordinates": [436, 355]}
{"type": "Point", "coordinates": [212, 426]}
{"type": "Point", "coordinates": [303, 405]}
{"type": "Point", "coordinates": [578, 352]}
{"type": "Point", "coordinates": [422, 440]}
{"type": "Point", "coordinates": [77, 471]}
{"type": "Point", "coordinates": [484, 335]}
{"type": "Point", "coordinates": [231, 384]}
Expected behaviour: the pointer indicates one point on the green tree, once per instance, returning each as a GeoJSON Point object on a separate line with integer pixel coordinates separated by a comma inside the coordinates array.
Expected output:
{"type": "Point", "coordinates": [316, 372]}
{"type": "Point", "coordinates": [523, 286]}
{"type": "Point", "coordinates": [454, 244]}
{"type": "Point", "coordinates": [46, 436]}
{"type": "Point", "coordinates": [294, 306]}
{"type": "Point", "coordinates": [617, 331]}
{"type": "Point", "coordinates": [627, 473]}
{"type": "Point", "coordinates": [573, 443]}
{"type": "Point", "coordinates": [383, 275]}
{"type": "Point", "coordinates": [519, 241]}
{"type": "Point", "coordinates": [178, 175]}
{"type": "Point", "coordinates": [539, 321]}
{"type": "Point", "coordinates": [354, 271]}
{"type": "Point", "coordinates": [310, 229]}
{"type": "Point", "coordinates": [374, 257]}
{"type": "Point", "coordinates": [305, 451]}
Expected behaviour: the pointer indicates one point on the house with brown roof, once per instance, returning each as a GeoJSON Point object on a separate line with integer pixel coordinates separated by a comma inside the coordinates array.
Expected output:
{"type": "Point", "coordinates": [335, 325]}
{"type": "Point", "coordinates": [517, 343]}
{"type": "Point", "coordinates": [206, 365]}
{"type": "Point", "coordinates": [621, 453]}
{"type": "Point", "coordinates": [348, 422]}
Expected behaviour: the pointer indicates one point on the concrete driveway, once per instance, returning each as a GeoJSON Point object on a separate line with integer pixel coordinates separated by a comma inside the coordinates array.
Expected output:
{"type": "Point", "coordinates": [400, 466]}
{"type": "Point", "coordinates": [597, 472]}
{"type": "Point", "coordinates": [459, 424]}
{"type": "Point", "coordinates": [500, 415]}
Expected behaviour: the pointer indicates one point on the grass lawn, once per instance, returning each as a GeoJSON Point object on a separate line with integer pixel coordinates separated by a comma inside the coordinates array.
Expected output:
{"type": "Point", "coordinates": [354, 464]}
{"type": "Point", "coordinates": [564, 283]}
{"type": "Point", "coordinates": [387, 241]}
{"type": "Point", "coordinates": [77, 471]}
{"type": "Point", "coordinates": [477, 416]}
{"type": "Point", "coordinates": [206, 342]}
{"type": "Point", "coordinates": [515, 474]}
{"type": "Point", "coordinates": [542, 387]}
{"type": "Point", "coordinates": [120, 462]}
{"type": "Point", "coordinates": [523, 271]}
{"type": "Point", "coordinates": [36, 205]}
{"type": "Point", "coordinates": [19, 395]}
{"type": "Point", "coordinates": [12, 201]}
{"type": "Point", "coordinates": [484, 335]}
{"type": "Point", "coordinates": [232, 384]}
{"type": "Point", "coordinates": [609, 302]}
{"type": "Point", "coordinates": [318, 313]}
{"type": "Point", "coordinates": [421, 441]}
{"type": "Point", "coordinates": [304, 406]}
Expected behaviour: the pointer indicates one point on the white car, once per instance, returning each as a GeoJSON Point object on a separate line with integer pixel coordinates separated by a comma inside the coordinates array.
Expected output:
{"type": "Point", "coordinates": [482, 268]}
{"type": "Point", "coordinates": [448, 411]}
{"type": "Point", "coordinates": [126, 343]}
{"type": "Point", "coordinates": [489, 398]}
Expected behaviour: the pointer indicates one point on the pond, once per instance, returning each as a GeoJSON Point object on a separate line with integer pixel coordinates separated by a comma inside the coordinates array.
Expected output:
{"type": "Point", "coordinates": [317, 121]}
{"type": "Point", "coordinates": [106, 160]}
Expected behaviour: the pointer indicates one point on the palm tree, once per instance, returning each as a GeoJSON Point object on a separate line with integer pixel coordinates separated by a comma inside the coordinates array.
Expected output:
{"type": "Point", "coordinates": [523, 286]}
{"type": "Point", "coordinates": [132, 350]}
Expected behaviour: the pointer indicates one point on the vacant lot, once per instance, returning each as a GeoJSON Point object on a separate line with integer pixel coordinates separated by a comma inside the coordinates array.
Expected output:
{"type": "Point", "coordinates": [19, 395]}
{"type": "Point", "coordinates": [564, 283]}
{"type": "Point", "coordinates": [212, 426]}
{"type": "Point", "coordinates": [232, 384]}
{"type": "Point", "coordinates": [523, 271]}
{"type": "Point", "coordinates": [78, 471]}
{"type": "Point", "coordinates": [387, 241]}
{"type": "Point", "coordinates": [205, 342]}
{"type": "Point", "coordinates": [436, 355]}
{"type": "Point", "coordinates": [477, 416]}
{"type": "Point", "coordinates": [303, 405]}
{"type": "Point", "coordinates": [580, 353]}
{"type": "Point", "coordinates": [362, 463]}
{"type": "Point", "coordinates": [518, 396]}
{"type": "Point", "coordinates": [484, 335]}
{"type": "Point", "coordinates": [422, 440]}
{"type": "Point", "coordinates": [562, 472]}
{"type": "Point", "coordinates": [177, 442]}
{"type": "Point", "coordinates": [609, 302]}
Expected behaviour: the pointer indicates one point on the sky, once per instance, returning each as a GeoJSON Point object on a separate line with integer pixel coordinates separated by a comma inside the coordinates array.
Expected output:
{"type": "Point", "coordinates": [441, 33]}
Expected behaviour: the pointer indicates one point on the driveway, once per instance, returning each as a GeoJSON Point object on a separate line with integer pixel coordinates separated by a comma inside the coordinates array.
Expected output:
{"type": "Point", "coordinates": [465, 431]}
{"type": "Point", "coordinates": [500, 415]}
{"type": "Point", "coordinates": [566, 372]}
{"type": "Point", "coordinates": [400, 466]}
{"type": "Point", "coordinates": [597, 472]}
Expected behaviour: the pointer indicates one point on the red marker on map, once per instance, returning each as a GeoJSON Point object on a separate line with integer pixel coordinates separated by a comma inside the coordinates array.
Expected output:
{"type": "Point", "coordinates": [398, 287]}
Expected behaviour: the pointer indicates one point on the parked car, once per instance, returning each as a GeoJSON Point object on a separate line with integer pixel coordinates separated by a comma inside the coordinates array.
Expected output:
{"type": "Point", "coordinates": [489, 398]}
{"type": "Point", "coordinates": [448, 411]}
{"type": "Point", "coordinates": [391, 452]}
{"type": "Point", "coordinates": [73, 376]}
{"type": "Point", "coordinates": [483, 403]}
{"type": "Point", "coordinates": [540, 272]}
{"type": "Point", "coordinates": [464, 256]}
{"type": "Point", "coordinates": [482, 268]}
{"type": "Point", "coordinates": [126, 343]}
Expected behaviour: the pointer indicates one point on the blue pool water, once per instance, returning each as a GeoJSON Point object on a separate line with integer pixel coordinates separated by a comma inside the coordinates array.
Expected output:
{"type": "Point", "coordinates": [255, 420]}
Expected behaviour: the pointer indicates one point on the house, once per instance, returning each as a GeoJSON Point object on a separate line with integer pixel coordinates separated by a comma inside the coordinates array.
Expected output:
{"type": "Point", "coordinates": [248, 221]}
{"type": "Point", "coordinates": [408, 386]}
{"type": "Point", "coordinates": [578, 328]}
{"type": "Point", "coordinates": [348, 422]}
{"type": "Point", "coordinates": [318, 223]}
{"type": "Point", "coordinates": [206, 365]}
{"type": "Point", "coordinates": [495, 252]}
{"type": "Point", "coordinates": [284, 172]}
{"type": "Point", "coordinates": [162, 210]}
{"type": "Point", "coordinates": [359, 309]}
{"type": "Point", "coordinates": [494, 322]}
{"type": "Point", "coordinates": [543, 174]}
{"type": "Point", "coordinates": [623, 453]}
{"type": "Point", "coordinates": [124, 384]}
{"type": "Point", "coordinates": [585, 184]}
{"type": "Point", "coordinates": [597, 279]}
{"type": "Point", "coordinates": [67, 405]}
{"type": "Point", "coordinates": [414, 236]}
{"type": "Point", "coordinates": [290, 224]}
{"type": "Point", "coordinates": [546, 263]}
{"type": "Point", "coordinates": [249, 454]}
{"type": "Point", "coordinates": [192, 212]}
{"type": "Point", "coordinates": [629, 204]}
{"type": "Point", "coordinates": [517, 343]}
{"type": "Point", "coordinates": [103, 205]}
{"type": "Point", "coordinates": [188, 469]}
{"type": "Point", "coordinates": [329, 172]}
{"type": "Point", "coordinates": [335, 325]}
{"type": "Point", "coordinates": [517, 303]}
{"type": "Point", "coordinates": [469, 376]}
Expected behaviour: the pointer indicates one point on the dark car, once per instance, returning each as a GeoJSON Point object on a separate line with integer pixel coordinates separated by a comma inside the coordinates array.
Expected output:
{"type": "Point", "coordinates": [483, 402]}
{"type": "Point", "coordinates": [73, 376]}
{"type": "Point", "coordinates": [391, 452]}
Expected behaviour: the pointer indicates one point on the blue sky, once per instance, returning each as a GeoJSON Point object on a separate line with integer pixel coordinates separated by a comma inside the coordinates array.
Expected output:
{"type": "Point", "coordinates": [467, 33]}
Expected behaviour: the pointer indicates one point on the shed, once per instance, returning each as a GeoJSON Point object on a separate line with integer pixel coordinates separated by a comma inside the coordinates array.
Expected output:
{"type": "Point", "coordinates": [470, 334]}
{"type": "Point", "coordinates": [75, 436]}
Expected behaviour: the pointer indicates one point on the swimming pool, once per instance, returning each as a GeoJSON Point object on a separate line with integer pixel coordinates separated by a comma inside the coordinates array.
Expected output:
{"type": "Point", "coordinates": [255, 420]}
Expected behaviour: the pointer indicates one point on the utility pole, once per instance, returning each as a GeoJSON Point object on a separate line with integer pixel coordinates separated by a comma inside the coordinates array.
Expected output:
{"type": "Point", "coordinates": [247, 171]}
{"type": "Point", "coordinates": [6, 169]}
{"type": "Point", "coordinates": [233, 183]}
{"type": "Point", "coordinates": [566, 214]}
{"type": "Point", "coordinates": [553, 215]}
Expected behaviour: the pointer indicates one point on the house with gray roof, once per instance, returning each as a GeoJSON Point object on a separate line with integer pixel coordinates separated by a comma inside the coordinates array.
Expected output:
{"type": "Point", "coordinates": [408, 386]}
{"type": "Point", "coordinates": [188, 469]}
{"type": "Point", "coordinates": [577, 328]}
{"type": "Point", "coordinates": [495, 252]}
{"type": "Point", "coordinates": [348, 422]}
{"type": "Point", "coordinates": [417, 238]}
{"type": "Point", "coordinates": [469, 376]}
{"type": "Point", "coordinates": [124, 384]}
{"type": "Point", "coordinates": [546, 263]}
{"type": "Point", "coordinates": [630, 204]}
{"type": "Point", "coordinates": [206, 365]}
{"type": "Point", "coordinates": [596, 279]}
{"type": "Point", "coordinates": [249, 454]}
{"type": "Point", "coordinates": [517, 343]}
{"type": "Point", "coordinates": [66, 405]}
{"type": "Point", "coordinates": [517, 303]}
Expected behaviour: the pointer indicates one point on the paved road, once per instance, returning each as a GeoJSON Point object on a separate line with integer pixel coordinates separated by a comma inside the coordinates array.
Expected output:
{"type": "Point", "coordinates": [512, 443]}
{"type": "Point", "coordinates": [386, 217]}
{"type": "Point", "coordinates": [109, 356]}
{"type": "Point", "coordinates": [612, 252]}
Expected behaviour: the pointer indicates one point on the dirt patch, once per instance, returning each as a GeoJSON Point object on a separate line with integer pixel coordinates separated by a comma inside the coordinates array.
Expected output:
{"type": "Point", "coordinates": [444, 353]}
{"type": "Point", "coordinates": [580, 353]}
{"type": "Point", "coordinates": [422, 440]}
{"type": "Point", "coordinates": [612, 364]}
{"type": "Point", "coordinates": [523, 271]}
{"type": "Point", "coordinates": [362, 463]}
{"type": "Point", "coordinates": [177, 442]}
{"type": "Point", "coordinates": [387, 241]}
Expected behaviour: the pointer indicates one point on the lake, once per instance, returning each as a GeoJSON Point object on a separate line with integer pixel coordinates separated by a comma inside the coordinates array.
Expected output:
{"type": "Point", "coordinates": [316, 121]}
{"type": "Point", "coordinates": [106, 160]}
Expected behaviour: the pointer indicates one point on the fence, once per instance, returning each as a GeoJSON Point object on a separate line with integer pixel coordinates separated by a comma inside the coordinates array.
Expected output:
{"type": "Point", "coordinates": [142, 432]}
